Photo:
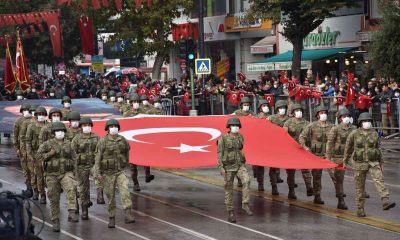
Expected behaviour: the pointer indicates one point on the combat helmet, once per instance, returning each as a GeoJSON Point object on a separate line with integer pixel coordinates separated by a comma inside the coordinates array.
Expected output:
{"type": "Point", "coordinates": [364, 117]}
{"type": "Point", "coordinates": [320, 108]}
{"type": "Point", "coordinates": [55, 110]}
{"type": "Point", "coordinates": [296, 106]}
{"type": "Point", "coordinates": [24, 106]}
{"type": "Point", "coordinates": [245, 100]}
{"type": "Point", "coordinates": [233, 121]}
{"type": "Point", "coordinates": [261, 102]}
{"type": "Point", "coordinates": [58, 126]}
{"type": "Point", "coordinates": [280, 103]}
{"type": "Point", "coordinates": [74, 115]}
{"type": "Point", "coordinates": [33, 107]}
{"type": "Point", "coordinates": [110, 123]}
{"type": "Point", "coordinates": [41, 110]}
{"type": "Point", "coordinates": [85, 120]}
{"type": "Point", "coordinates": [342, 112]}
{"type": "Point", "coordinates": [112, 94]}
{"type": "Point", "coordinates": [66, 99]}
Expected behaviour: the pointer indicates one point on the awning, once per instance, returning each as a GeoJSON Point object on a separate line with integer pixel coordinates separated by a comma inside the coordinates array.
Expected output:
{"type": "Point", "coordinates": [265, 45]}
{"type": "Point", "coordinates": [306, 55]}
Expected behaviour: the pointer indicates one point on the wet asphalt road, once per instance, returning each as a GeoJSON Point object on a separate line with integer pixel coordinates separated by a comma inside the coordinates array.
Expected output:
{"type": "Point", "coordinates": [178, 207]}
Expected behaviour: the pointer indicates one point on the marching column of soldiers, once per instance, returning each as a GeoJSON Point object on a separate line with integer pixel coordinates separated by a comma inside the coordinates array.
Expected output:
{"type": "Point", "coordinates": [63, 158]}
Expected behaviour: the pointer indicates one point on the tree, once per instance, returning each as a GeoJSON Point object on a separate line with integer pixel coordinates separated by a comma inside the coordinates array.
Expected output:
{"type": "Point", "coordinates": [299, 18]}
{"type": "Point", "coordinates": [385, 45]}
{"type": "Point", "coordinates": [144, 30]}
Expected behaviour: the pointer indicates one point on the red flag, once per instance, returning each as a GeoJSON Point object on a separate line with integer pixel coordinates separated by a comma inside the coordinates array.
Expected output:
{"type": "Point", "coordinates": [84, 4]}
{"type": "Point", "coordinates": [96, 4]}
{"type": "Point", "coordinates": [53, 23]}
{"type": "Point", "coordinates": [9, 77]}
{"type": "Point", "coordinates": [339, 100]}
{"type": "Point", "coordinates": [316, 94]}
{"type": "Point", "coordinates": [233, 98]}
{"type": "Point", "coordinates": [363, 102]}
{"type": "Point", "coordinates": [138, 3]}
{"type": "Point", "coordinates": [143, 91]}
{"type": "Point", "coordinates": [317, 79]}
{"type": "Point", "coordinates": [105, 3]}
{"type": "Point", "coordinates": [283, 79]}
{"type": "Point", "coordinates": [118, 5]}
{"type": "Point", "coordinates": [351, 93]}
{"type": "Point", "coordinates": [186, 97]}
{"type": "Point", "coordinates": [86, 32]}
{"type": "Point", "coordinates": [22, 68]}
{"type": "Point", "coordinates": [270, 99]}
{"type": "Point", "coordinates": [186, 142]}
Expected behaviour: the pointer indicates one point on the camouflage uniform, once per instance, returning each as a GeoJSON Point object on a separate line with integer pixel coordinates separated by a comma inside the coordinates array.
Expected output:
{"type": "Point", "coordinates": [232, 160]}
{"type": "Point", "coordinates": [32, 146]}
{"type": "Point", "coordinates": [26, 163]}
{"type": "Point", "coordinates": [316, 133]}
{"type": "Point", "coordinates": [65, 112]}
{"type": "Point", "coordinates": [72, 132]}
{"type": "Point", "coordinates": [362, 151]}
{"type": "Point", "coordinates": [294, 129]}
{"type": "Point", "coordinates": [45, 134]}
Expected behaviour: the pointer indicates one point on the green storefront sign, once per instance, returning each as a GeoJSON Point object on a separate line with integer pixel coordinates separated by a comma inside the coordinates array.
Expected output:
{"type": "Point", "coordinates": [326, 38]}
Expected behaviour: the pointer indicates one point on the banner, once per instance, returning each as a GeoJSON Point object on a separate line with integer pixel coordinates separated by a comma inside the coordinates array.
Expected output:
{"type": "Point", "coordinates": [9, 77]}
{"type": "Point", "coordinates": [189, 142]}
{"type": "Point", "coordinates": [21, 72]}
{"type": "Point", "coordinates": [87, 37]}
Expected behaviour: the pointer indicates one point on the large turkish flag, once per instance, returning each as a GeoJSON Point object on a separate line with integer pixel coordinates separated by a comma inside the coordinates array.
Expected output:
{"type": "Point", "coordinates": [188, 142]}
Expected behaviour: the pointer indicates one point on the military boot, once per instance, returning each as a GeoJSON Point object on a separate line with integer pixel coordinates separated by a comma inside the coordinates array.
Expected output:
{"type": "Point", "coordinates": [361, 213]}
{"type": "Point", "coordinates": [42, 199]}
{"type": "Point", "coordinates": [246, 208]}
{"type": "Point", "coordinates": [85, 212]}
{"type": "Point", "coordinates": [136, 187]}
{"type": "Point", "coordinates": [261, 186]}
{"type": "Point", "coordinates": [129, 216]}
{"type": "Point", "coordinates": [231, 217]}
{"type": "Point", "coordinates": [309, 192]}
{"type": "Point", "coordinates": [275, 190]}
{"type": "Point", "coordinates": [100, 197]}
{"type": "Point", "coordinates": [35, 194]}
{"type": "Point", "coordinates": [318, 200]}
{"type": "Point", "coordinates": [56, 225]}
{"type": "Point", "coordinates": [341, 204]}
{"type": "Point", "coordinates": [77, 205]}
{"type": "Point", "coordinates": [149, 177]}
{"type": "Point", "coordinates": [111, 222]}
{"type": "Point", "coordinates": [366, 195]}
{"type": "Point", "coordinates": [387, 205]}
{"type": "Point", "coordinates": [72, 216]}
{"type": "Point", "coordinates": [292, 194]}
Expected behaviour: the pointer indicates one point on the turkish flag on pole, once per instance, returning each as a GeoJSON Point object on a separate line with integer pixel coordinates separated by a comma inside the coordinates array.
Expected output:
{"type": "Point", "coordinates": [351, 93]}
{"type": "Point", "coordinates": [363, 102]}
{"type": "Point", "coordinates": [233, 98]}
{"type": "Point", "coordinates": [96, 4]}
{"type": "Point", "coordinates": [51, 18]}
{"type": "Point", "coordinates": [317, 79]}
{"type": "Point", "coordinates": [9, 77]}
{"type": "Point", "coordinates": [118, 5]}
{"type": "Point", "coordinates": [188, 142]}
{"type": "Point", "coordinates": [86, 32]}
{"type": "Point", "coordinates": [270, 99]}
{"type": "Point", "coordinates": [21, 73]}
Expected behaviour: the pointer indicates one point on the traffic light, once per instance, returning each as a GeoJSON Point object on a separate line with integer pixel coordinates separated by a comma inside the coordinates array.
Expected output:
{"type": "Point", "coordinates": [191, 52]}
{"type": "Point", "coordinates": [182, 48]}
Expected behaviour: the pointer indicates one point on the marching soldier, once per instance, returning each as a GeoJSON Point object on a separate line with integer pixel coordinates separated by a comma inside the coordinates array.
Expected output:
{"type": "Point", "coordinates": [112, 98]}
{"type": "Point", "coordinates": [278, 119]}
{"type": "Point", "coordinates": [244, 110]}
{"type": "Point", "coordinates": [363, 152]}
{"type": "Point", "coordinates": [112, 157]}
{"type": "Point", "coordinates": [157, 108]}
{"type": "Point", "coordinates": [45, 134]}
{"type": "Point", "coordinates": [120, 101]}
{"type": "Point", "coordinates": [73, 117]}
{"type": "Point", "coordinates": [258, 171]}
{"type": "Point", "coordinates": [84, 146]}
{"type": "Point", "coordinates": [126, 105]}
{"type": "Point", "coordinates": [146, 106]}
{"type": "Point", "coordinates": [32, 146]}
{"type": "Point", "coordinates": [24, 110]}
{"type": "Point", "coordinates": [294, 126]}
{"type": "Point", "coordinates": [335, 145]}
{"type": "Point", "coordinates": [66, 102]}
{"type": "Point", "coordinates": [231, 163]}
{"type": "Point", "coordinates": [134, 108]}
{"type": "Point", "coordinates": [316, 133]}
{"type": "Point", "coordinates": [57, 157]}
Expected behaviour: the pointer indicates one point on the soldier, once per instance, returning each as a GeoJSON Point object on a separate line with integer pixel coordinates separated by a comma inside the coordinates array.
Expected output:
{"type": "Point", "coordinates": [32, 146]}
{"type": "Point", "coordinates": [231, 163]}
{"type": "Point", "coordinates": [278, 119]}
{"type": "Point", "coordinates": [104, 96]}
{"type": "Point", "coordinates": [57, 157]}
{"type": "Point", "coordinates": [316, 133]}
{"type": "Point", "coordinates": [66, 102]}
{"type": "Point", "coordinates": [112, 157]}
{"type": "Point", "coordinates": [45, 134]}
{"type": "Point", "coordinates": [73, 117]}
{"type": "Point", "coordinates": [20, 95]}
{"type": "Point", "coordinates": [24, 110]}
{"type": "Point", "coordinates": [146, 106]}
{"type": "Point", "coordinates": [294, 126]}
{"type": "Point", "coordinates": [335, 145]}
{"type": "Point", "coordinates": [120, 101]}
{"type": "Point", "coordinates": [127, 105]}
{"type": "Point", "coordinates": [112, 99]}
{"type": "Point", "coordinates": [244, 110]}
{"type": "Point", "coordinates": [84, 146]}
{"type": "Point", "coordinates": [363, 152]}
{"type": "Point", "coordinates": [258, 171]}
{"type": "Point", "coordinates": [157, 108]}
{"type": "Point", "coordinates": [29, 170]}
{"type": "Point", "coordinates": [134, 108]}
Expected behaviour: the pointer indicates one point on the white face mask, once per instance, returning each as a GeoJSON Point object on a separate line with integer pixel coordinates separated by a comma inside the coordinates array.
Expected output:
{"type": "Point", "coordinates": [59, 135]}
{"type": "Point", "coordinates": [33, 113]}
{"type": "Point", "coordinates": [157, 105]}
{"type": "Point", "coordinates": [323, 117]}
{"type": "Point", "coordinates": [265, 109]}
{"type": "Point", "coordinates": [275, 86]}
{"type": "Point", "coordinates": [366, 125]}
{"type": "Point", "coordinates": [298, 114]}
{"type": "Point", "coordinates": [246, 108]}
{"type": "Point", "coordinates": [51, 94]}
{"type": "Point", "coordinates": [145, 102]}
{"type": "Point", "coordinates": [113, 130]}
{"type": "Point", "coordinates": [397, 94]}
{"type": "Point", "coordinates": [127, 101]}
{"type": "Point", "coordinates": [351, 120]}
{"type": "Point", "coordinates": [26, 113]}
{"type": "Point", "coordinates": [74, 124]}
{"type": "Point", "coordinates": [346, 120]}
{"type": "Point", "coordinates": [120, 99]}
{"type": "Point", "coordinates": [67, 105]}
{"type": "Point", "coordinates": [104, 97]}
{"type": "Point", "coordinates": [282, 111]}
{"type": "Point", "coordinates": [87, 129]}
{"type": "Point", "coordinates": [19, 97]}
{"type": "Point", "coordinates": [33, 90]}
{"type": "Point", "coordinates": [234, 129]}
{"type": "Point", "coordinates": [112, 99]}
{"type": "Point", "coordinates": [55, 119]}
{"type": "Point", "coordinates": [41, 118]}
{"type": "Point", "coordinates": [135, 105]}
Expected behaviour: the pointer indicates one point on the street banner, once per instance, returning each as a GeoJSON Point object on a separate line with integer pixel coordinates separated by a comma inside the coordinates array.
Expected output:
{"type": "Point", "coordinates": [190, 142]}
{"type": "Point", "coordinates": [97, 63]}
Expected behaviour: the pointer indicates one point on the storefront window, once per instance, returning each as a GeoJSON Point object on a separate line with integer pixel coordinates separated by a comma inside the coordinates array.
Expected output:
{"type": "Point", "coordinates": [359, 9]}
{"type": "Point", "coordinates": [211, 8]}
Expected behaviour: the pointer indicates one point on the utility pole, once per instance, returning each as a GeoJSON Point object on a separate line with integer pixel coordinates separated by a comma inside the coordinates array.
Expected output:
{"type": "Point", "coordinates": [201, 42]}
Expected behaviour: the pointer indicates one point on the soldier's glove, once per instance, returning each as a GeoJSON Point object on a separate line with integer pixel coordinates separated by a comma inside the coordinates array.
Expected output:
{"type": "Point", "coordinates": [52, 152]}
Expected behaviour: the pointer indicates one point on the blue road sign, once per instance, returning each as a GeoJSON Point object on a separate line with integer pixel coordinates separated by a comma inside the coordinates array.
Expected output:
{"type": "Point", "coordinates": [203, 66]}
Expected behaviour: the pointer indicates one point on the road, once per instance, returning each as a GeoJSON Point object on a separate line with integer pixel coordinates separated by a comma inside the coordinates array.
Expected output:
{"type": "Point", "coordinates": [189, 204]}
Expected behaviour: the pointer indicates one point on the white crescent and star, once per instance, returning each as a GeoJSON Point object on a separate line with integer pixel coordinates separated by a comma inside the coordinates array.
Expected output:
{"type": "Point", "coordinates": [53, 29]}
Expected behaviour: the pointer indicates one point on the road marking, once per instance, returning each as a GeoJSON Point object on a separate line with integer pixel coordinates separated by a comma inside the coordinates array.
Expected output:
{"type": "Point", "coordinates": [388, 184]}
{"type": "Point", "coordinates": [120, 228]}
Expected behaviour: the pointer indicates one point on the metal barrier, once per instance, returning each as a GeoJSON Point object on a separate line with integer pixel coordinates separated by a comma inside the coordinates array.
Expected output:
{"type": "Point", "coordinates": [180, 107]}
{"type": "Point", "coordinates": [167, 106]}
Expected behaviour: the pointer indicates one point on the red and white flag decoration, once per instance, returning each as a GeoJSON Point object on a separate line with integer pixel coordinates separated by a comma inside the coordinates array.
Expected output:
{"type": "Point", "coordinates": [189, 142]}
{"type": "Point", "coordinates": [363, 102]}
{"type": "Point", "coordinates": [21, 71]}
{"type": "Point", "coordinates": [233, 98]}
{"type": "Point", "coordinates": [9, 76]}
{"type": "Point", "coordinates": [270, 100]}
{"type": "Point", "coordinates": [87, 37]}
{"type": "Point", "coordinates": [52, 20]}
{"type": "Point", "coordinates": [351, 92]}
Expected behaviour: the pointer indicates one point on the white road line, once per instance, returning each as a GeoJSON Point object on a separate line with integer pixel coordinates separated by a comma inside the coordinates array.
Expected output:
{"type": "Point", "coordinates": [120, 228]}
{"type": "Point", "coordinates": [388, 184]}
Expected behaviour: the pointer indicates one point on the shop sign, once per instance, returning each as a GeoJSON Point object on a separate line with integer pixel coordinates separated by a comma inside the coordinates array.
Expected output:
{"type": "Point", "coordinates": [239, 23]}
{"type": "Point", "coordinates": [288, 65]}
{"type": "Point", "coordinates": [222, 67]}
{"type": "Point", "coordinates": [262, 49]}
{"type": "Point", "coordinates": [321, 38]}
{"type": "Point", "coordinates": [260, 67]}
{"type": "Point", "coordinates": [97, 63]}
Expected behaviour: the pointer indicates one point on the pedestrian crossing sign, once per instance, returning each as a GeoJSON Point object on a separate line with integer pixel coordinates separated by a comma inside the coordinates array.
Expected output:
{"type": "Point", "coordinates": [203, 66]}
